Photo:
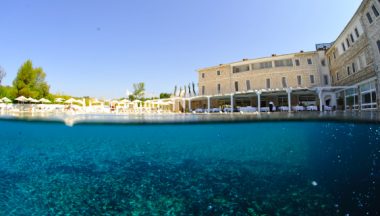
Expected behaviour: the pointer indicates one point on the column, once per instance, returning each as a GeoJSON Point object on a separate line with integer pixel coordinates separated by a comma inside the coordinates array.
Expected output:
{"type": "Point", "coordinates": [258, 101]}
{"type": "Point", "coordinates": [320, 100]}
{"type": "Point", "coordinates": [232, 103]}
{"type": "Point", "coordinates": [190, 105]}
{"type": "Point", "coordinates": [184, 105]}
{"type": "Point", "coordinates": [359, 98]}
{"type": "Point", "coordinates": [174, 103]}
{"type": "Point", "coordinates": [345, 101]}
{"type": "Point", "coordinates": [289, 91]}
{"type": "Point", "coordinates": [208, 104]}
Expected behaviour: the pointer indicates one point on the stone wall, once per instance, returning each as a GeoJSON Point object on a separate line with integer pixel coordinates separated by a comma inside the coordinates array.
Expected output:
{"type": "Point", "coordinates": [258, 77]}
{"type": "Point", "coordinates": [373, 34]}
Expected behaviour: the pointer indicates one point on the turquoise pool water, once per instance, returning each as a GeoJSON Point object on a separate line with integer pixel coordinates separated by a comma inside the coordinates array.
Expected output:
{"type": "Point", "coordinates": [267, 168]}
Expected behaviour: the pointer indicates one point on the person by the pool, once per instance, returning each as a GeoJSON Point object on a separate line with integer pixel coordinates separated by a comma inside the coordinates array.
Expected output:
{"type": "Point", "coordinates": [271, 105]}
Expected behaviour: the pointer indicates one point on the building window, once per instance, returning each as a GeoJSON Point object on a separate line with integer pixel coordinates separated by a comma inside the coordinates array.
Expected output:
{"type": "Point", "coordinates": [299, 80]}
{"type": "Point", "coordinates": [297, 61]}
{"type": "Point", "coordinates": [348, 43]}
{"type": "Point", "coordinates": [343, 47]}
{"type": "Point", "coordinates": [284, 85]}
{"type": "Point", "coordinates": [368, 95]}
{"type": "Point", "coordinates": [262, 65]}
{"type": "Point", "coordinates": [357, 33]}
{"type": "Point", "coordinates": [352, 38]}
{"type": "Point", "coordinates": [375, 11]}
{"type": "Point", "coordinates": [369, 18]}
{"type": "Point", "coordinates": [236, 86]}
{"type": "Point", "coordinates": [323, 62]}
{"type": "Point", "coordinates": [268, 83]}
{"type": "Point", "coordinates": [378, 45]}
{"type": "Point", "coordinates": [312, 79]}
{"type": "Point", "coordinates": [282, 101]}
{"type": "Point", "coordinates": [353, 67]}
{"type": "Point", "coordinates": [203, 75]}
{"type": "Point", "coordinates": [218, 88]}
{"type": "Point", "coordinates": [203, 90]}
{"type": "Point", "coordinates": [248, 84]}
{"type": "Point", "coordinates": [334, 55]}
{"type": "Point", "coordinates": [326, 79]}
{"type": "Point", "coordinates": [348, 70]}
{"type": "Point", "coordinates": [309, 61]}
{"type": "Point", "coordinates": [283, 63]}
{"type": "Point", "coordinates": [218, 73]}
{"type": "Point", "coordinates": [337, 76]}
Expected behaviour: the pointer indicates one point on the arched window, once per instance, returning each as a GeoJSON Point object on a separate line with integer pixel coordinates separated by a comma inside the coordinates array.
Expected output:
{"type": "Point", "coordinates": [378, 45]}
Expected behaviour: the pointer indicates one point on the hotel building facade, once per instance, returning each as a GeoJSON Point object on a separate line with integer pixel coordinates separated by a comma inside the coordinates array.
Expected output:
{"type": "Point", "coordinates": [342, 75]}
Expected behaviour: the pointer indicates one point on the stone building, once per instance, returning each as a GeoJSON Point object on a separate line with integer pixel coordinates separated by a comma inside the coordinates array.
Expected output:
{"type": "Point", "coordinates": [256, 82]}
{"type": "Point", "coordinates": [352, 60]}
{"type": "Point", "coordinates": [344, 74]}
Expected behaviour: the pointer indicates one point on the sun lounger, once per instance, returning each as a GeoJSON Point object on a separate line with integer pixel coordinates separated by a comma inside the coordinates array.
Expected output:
{"type": "Point", "coordinates": [264, 109]}
{"type": "Point", "coordinates": [298, 108]}
{"type": "Point", "coordinates": [227, 109]}
{"type": "Point", "coordinates": [311, 108]}
{"type": "Point", "coordinates": [283, 108]}
{"type": "Point", "coordinates": [248, 109]}
{"type": "Point", "coordinates": [215, 110]}
{"type": "Point", "coordinates": [199, 110]}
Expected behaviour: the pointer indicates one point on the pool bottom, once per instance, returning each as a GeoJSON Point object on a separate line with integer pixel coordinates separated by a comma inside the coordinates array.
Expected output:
{"type": "Point", "coordinates": [142, 186]}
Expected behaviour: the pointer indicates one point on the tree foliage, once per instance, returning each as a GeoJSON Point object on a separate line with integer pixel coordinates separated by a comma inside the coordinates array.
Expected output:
{"type": "Point", "coordinates": [193, 85]}
{"type": "Point", "coordinates": [139, 90]}
{"type": "Point", "coordinates": [8, 91]}
{"type": "Point", "coordinates": [30, 82]}
{"type": "Point", "coordinates": [165, 95]}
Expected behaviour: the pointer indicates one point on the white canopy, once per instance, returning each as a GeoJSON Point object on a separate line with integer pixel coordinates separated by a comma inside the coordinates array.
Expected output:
{"type": "Point", "coordinates": [32, 100]}
{"type": "Point", "coordinates": [72, 100]}
{"type": "Point", "coordinates": [59, 100]}
{"type": "Point", "coordinates": [21, 99]}
{"type": "Point", "coordinates": [95, 101]}
{"type": "Point", "coordinates": [6, 100]}
{"type": "Point", "coordinates": [125, 101]}
{"type": "Point", "coordinates": [43, 100]}
{"type": "Point", "coordinates": [1, 101]}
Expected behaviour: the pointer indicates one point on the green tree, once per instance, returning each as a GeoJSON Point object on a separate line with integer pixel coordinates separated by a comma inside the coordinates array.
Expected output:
{"type": "Point", "coordinates": [139, 90]}
{"type": "Point", "coordinates": [164, 95]}
{"type": "Point", "coordinates": [8, 91]}
{"type": "Point", "coordinates": [175, 91]}
{"type": "Point", "coordinates": [193, 85]}
{"type": "Point", "coordinates": [30, 82]}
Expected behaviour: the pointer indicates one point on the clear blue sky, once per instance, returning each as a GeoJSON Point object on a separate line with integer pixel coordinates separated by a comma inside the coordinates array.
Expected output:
{"type": "Point", "coordinates": [100, 47]}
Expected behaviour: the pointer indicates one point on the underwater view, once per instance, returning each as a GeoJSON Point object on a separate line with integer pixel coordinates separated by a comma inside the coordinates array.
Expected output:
{"type": "Point", "coordinates": [259, 168]}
